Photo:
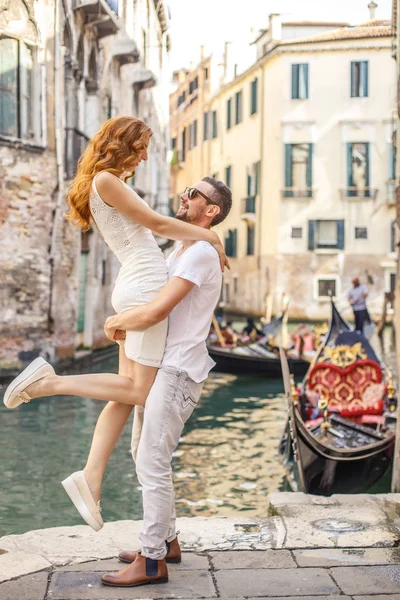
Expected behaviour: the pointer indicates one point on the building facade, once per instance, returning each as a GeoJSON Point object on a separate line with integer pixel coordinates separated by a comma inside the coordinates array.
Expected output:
{"type": "Point", "coordinates": [305, 141]}
{"type": "Point", "coordinates": [66, 66]}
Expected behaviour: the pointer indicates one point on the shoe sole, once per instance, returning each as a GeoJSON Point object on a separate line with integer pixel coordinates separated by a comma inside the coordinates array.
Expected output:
{"type": "Point", "coordinates": [174, 561]}
{"type": "Point", "coordinates": [163, 580]}
{"type": "Point", "coordinates": [20, 381]}
{"type": "Point", "coordinates": [75, 496]}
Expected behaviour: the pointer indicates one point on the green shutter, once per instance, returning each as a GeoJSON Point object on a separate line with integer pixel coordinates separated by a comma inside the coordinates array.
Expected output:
{"type": "Point", "coordinates": [305, 66]}
{"type": "Point", "coordinates": [228, 171]}
{"type": "Point", "coordinates": [364, 78]}
{"type": "Point", "coordinates": [311, 234]}
{"type": "Point", "coordinates": [9, 87]}
{"type": "Point", "coordinates": [214, 124]}
{"type": "Point", "coordinates": [309, 170]}
{"type": "Point", "coordinates": [253, 96]}
{"type": "Point", "coordinates": [288, 170]}
{"type": "Point", "coordinates": [229, 113]}
{"type": "Point", "coordinates": [295, 82]}
{"type": "Point", "coordinates": [367, 191]}
{"type": "Point", "coordinates": [392, 162]}
{"type": "Point", "coordinates": [257, 176]}
{"type": "Point", "coordinates": [248, 184]}
{"type": "Point", "coordinates": [340, 234]}
{"type": "Point", "coordinates": [205, 126]}
{"type": "Point", "coordinates": [350, 183]}
{"type": "Point", "coordinates": [234, 242]}
{"type": "Point", "coordinates": [353, 91]}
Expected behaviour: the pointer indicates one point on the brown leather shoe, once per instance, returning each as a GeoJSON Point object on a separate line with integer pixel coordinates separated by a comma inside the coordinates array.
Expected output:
{"type": "Point", "coordinates": [173, 553]}
{"type": "Point", "coordinates": [141, 572]}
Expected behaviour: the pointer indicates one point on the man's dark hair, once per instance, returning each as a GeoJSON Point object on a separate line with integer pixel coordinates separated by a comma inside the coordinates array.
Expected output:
{"type": "Point", "coordinates": [222, 196]}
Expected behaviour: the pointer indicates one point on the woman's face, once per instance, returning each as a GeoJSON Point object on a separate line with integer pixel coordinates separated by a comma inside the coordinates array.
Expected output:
{"type": "Point", "coordinates": [140, 155]}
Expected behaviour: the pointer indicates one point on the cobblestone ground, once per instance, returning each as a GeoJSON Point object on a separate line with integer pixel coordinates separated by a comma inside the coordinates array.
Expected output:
{"type": "Point", "coordinates": [320, 573]}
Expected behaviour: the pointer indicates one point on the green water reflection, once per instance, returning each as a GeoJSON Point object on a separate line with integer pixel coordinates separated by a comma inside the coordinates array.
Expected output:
{"type": "Point", "coordinates": [227, 460]}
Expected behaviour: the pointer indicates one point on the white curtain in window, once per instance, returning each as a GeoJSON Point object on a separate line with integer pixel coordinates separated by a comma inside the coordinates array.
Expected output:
{"type": "Point", "coordinates": [327, 233]}
{"type": "Point", "coordinates": [299, 166]}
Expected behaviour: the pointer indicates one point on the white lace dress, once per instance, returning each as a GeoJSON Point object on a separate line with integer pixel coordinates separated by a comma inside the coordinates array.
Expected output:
{"type": "Point", "coordinates": [142, 274]}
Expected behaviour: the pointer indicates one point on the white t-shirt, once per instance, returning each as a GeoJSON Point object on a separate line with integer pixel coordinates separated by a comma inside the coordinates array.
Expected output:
{"type": "Point", "coordinates": [189, 322]}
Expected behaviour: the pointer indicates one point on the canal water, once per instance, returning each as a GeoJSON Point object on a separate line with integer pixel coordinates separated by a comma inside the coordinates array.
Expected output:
{"type": "Point", "coordinates": [227, 460]}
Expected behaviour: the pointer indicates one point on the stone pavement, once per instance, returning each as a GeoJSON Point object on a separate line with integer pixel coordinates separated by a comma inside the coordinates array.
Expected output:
{"type": "Point", "coordinates": [342, 547]}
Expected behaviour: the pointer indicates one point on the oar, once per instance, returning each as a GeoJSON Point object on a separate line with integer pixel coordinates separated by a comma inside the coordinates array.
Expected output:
{"type": "Point", "coordinates": [218, 330]}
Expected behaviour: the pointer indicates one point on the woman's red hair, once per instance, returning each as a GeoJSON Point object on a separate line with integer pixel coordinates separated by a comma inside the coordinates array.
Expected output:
{"type": "Point", "coordinates": [111, 149]}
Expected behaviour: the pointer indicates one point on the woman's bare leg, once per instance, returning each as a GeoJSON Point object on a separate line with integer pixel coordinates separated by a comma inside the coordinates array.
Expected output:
{"type": "Point", "coordinates": [124, 389]}
{"type": "Point", "coordinates": [110, 424]}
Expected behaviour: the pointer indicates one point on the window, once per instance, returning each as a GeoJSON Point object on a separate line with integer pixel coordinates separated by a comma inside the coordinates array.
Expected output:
{"type": "Point", "coordinates": [392, 162]}
{"type": "Point", "coordinates": [205, 125]}
{"type": "Point", "coordinates": [193, 85]}
{"type": "Point", "coordinates": [205, 73]}
{"type": "Point", "coordinates": [392, 282]}
{"type": "Point", "coordinates": [173, 143]}
{"type": "Point", "coordinates": [238, 106]}
{"type": "Point", "coordinates": [17, 104]}
{"type": "Point", "coordinates": [235, 284]}
{"type": "Point", "coordinates": [231, 243]}
{"type": "Point", "coordinates": [359, 79]}
{"type": "Point", "coordinates": [298, 170]}
{"type": "Point", "coordinates": [181, 98]}
{"type": "Point", "coordinates": [253, 96]}
{"type": "Point", "coordinates": [182, 152]}
{"type": "Point", "coordinates": [361, 233]}
{"type": "Point", "coordinates": [103, 272]}
{"type": "Point", "coordinates": [326, 234]}
{"type": "Point", "coordinates": [250, 239]}
{"type": "Point", "coordinates": [226, 294]}
{"type": "Point", "coordinates": [193, 134]}
{"type": "Point", "coordinates": [229, 113]}
{"type": "Point", "coordinates": [253, 179]}
{"type": "Point", "coordinates": [358, 169]}
{"type": "Point", "coordinates": [297, 233]}
{"type": "Point", "coordinates": [393, 237]}
{"type": "Point", "coordinates": [228, 176]}
{"type": "Point", "coordinates": [326, 287]}
{"type": "Point", "coordinates": [214, 124]}
{"type": "Point", "coordinates": [300, 81]}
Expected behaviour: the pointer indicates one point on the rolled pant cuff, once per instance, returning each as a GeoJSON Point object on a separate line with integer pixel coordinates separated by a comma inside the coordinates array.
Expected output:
{"type": "Point", "coordinates": [154, 554]}
{"type": "Point", "coordinates": [172, 536]}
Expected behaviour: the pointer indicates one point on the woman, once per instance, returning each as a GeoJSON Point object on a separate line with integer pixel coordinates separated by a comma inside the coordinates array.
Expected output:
{"type": "Point", "coordinates": [125, 221]}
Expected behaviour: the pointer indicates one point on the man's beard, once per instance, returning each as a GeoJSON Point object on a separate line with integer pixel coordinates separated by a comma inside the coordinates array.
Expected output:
{"type": "Point", "coordinates": [183, 217]}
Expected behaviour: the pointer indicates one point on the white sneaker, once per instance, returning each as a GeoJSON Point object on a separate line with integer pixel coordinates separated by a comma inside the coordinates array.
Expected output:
{"type": "Point", "coordinates": [78, 490]}
{"type": "Point", "coordinates": [15, 394]}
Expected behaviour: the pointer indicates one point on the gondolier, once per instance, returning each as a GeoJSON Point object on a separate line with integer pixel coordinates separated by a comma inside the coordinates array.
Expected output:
{"type": "Point", "coordinates": [357, 299]}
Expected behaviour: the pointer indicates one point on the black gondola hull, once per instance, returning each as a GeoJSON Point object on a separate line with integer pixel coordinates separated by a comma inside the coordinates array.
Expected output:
{"type": "Point", "coordinates": [228, 362]}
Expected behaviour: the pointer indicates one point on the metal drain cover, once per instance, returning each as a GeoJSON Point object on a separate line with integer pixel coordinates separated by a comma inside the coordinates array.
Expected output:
{"type": "Point", "coordinates": [338, 525]}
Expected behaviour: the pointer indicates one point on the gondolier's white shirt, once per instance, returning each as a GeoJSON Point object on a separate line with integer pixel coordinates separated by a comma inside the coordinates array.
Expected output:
{"type": "Point", "coordinates": [189, 322]}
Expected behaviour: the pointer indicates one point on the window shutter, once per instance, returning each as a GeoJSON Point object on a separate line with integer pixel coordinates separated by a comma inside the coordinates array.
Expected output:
{"type": "Point", "coordinates": [234, 242]}
{"type": "Point", "coordinates": [392, 162]}
{"type": "Point", "coordinates": [350, 169]}
{"type": "Point", "coordinates": [205, 126]}
{"type": "Point", "coordinates": [309, 170]}
{"type": "Point", "coordinates": [393, 237]}
{"type": "Point", "coordinates": [367, 166]}
{"type": "Point", "coordinates": [248, 184]}
{"type": "Point", "coordinates": [229, 113]}
{"type": "Point", "coordinates": [288, 170]}
{"type": "Point", "coordinates": [214, 124]}
{"type": "Point", "coordinates": [364, 78]}
{"type": "Point", "coordinates": [25, 79]}
{"type": "Point", "coordinates": [9, 87]}
{"type": "Point", "coordinates": [295, 82]}
{"type": "Point", "coordinates": [257, 177]}
{"type": "Point", "coordinates": [228, 172]}
{"type": "Point", "coordinates": [311, 234]}
{"type": "Point", "coordinates": [306, 67]}
{"type": "Point", "coordinates": [340, 234]}
{"type": "Point", "coordinates": [353, 91]}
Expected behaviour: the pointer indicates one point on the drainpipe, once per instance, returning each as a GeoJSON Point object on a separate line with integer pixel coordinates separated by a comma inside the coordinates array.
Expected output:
{"type": "Point", "coordinates": [260, 186]}
{"type": "Point", "coordinates": [59, 190]}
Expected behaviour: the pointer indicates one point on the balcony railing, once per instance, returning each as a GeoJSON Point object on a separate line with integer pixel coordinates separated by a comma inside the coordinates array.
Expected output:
{"type": "Point", "coordinates": [359, 193]}
{"type": "Point", "coordinates": [75, 144]}
{"type": "Point", "coordinates": [298, 194]}
{"type": "Point", "coordinates": [102, 15]}
{"type": "Point", "coordinates": [391, 191]}
{"type": "Point", "coordinates": [249, 205]}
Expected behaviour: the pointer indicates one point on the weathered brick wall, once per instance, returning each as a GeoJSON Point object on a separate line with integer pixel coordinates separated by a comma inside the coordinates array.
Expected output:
{"type": "Point", "coordinates": [27, 188]}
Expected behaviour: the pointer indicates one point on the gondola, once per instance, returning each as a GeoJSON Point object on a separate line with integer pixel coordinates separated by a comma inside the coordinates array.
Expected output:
{"type": "Point", "coordinates": [258, 359]}
{"type": "Point", "coordinates": [341, 427]}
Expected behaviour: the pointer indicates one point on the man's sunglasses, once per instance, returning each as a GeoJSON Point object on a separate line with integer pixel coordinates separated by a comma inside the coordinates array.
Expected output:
{"type": "Point", "coordinates": [192, 193]}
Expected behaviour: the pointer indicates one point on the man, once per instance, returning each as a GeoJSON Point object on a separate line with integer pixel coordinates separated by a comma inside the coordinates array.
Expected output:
{"type": "Point", "coordinates": [356, 297]}
{"type": "Point", "coordinates": [189, 299]}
